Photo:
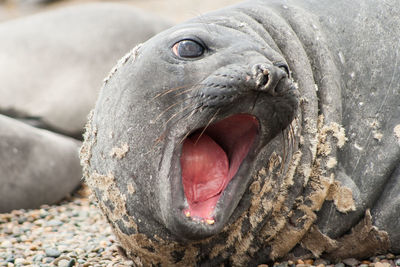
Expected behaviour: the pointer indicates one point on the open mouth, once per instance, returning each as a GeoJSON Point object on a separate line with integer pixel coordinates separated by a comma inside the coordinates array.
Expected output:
{"type": "Point", "coordinates": [210, 158]}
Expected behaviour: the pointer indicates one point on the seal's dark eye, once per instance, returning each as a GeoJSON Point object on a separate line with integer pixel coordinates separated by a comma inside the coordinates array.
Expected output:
{"type": "Point", "coordinates": [188, 49]}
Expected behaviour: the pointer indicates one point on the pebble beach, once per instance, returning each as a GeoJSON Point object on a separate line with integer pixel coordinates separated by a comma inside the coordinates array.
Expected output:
{"type": "Point", "coordinates": [75, 233]}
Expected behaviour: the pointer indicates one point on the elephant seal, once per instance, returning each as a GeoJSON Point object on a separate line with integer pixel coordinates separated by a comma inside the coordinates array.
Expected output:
{"type": "Point", "coordinates": [63, 56]}
{"type": "Point", "coordinates": [51, 67]}
{"type": "Point", "coordinates": [264, 130]}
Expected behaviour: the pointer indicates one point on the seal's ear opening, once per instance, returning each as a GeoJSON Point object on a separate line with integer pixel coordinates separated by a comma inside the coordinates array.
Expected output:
{"type": "Point", "coordinates": [210, 159]}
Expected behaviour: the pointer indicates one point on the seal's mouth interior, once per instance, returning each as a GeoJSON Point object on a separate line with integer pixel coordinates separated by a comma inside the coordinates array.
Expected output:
{"type": "Point", "coordinates": [211, 158]}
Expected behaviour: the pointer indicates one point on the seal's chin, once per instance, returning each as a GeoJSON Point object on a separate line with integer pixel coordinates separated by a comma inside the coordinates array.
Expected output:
{"type": "Point", "coordinates": [210, 158]}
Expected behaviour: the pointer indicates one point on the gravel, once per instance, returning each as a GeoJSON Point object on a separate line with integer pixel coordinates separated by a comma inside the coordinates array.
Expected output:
{"type": "Point", "coordinates": [74, 233]}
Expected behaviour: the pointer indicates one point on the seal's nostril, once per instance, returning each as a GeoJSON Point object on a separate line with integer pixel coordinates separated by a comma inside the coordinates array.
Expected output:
{"type": "Point", "coordinates": [261, 75]}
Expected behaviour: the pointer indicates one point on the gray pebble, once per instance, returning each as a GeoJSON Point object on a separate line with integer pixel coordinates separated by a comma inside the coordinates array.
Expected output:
{"type": "Point", "coordinates": [364, 265]}
{"type": "Point", "coordinates": [63, 263]}
{"type": "Point", "coordinates": [321, 261]}
{"type": "Point", "coordinates": [52, 252]}
{"type": "Point", "coordinates": [397, 262]}
{"type": "Point", "coordinates": [340, 265]}
{"type": "Point", "coordinates": [38, 258]}
{"type": "Point", "coordinates": [351, 262]}
{"type": "Point", "coordinates": [48, 260]}
{"type": "Point", "coordinates": [55, 223]}
{"type": "Point", "coordinates": [283, 264]}
{"type": "Point", "coordinates": [10, 258]}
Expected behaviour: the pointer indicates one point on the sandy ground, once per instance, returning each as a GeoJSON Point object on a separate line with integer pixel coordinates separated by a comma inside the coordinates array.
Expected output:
{"type": "Point", "coordinates": [174, 10]}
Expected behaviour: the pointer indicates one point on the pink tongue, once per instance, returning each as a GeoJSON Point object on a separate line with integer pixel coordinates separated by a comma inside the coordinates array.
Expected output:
{"type": "Point", "coordinates": [205, 168]}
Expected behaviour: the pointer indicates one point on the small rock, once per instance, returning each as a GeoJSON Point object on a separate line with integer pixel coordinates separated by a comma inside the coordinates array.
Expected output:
{"type": "Point", "coordinates": [38, 258]}
{"type": "Point", "coordinates": [303, 265]}
{"type": "Point", "coordinates": [340, 265]}
{"type": "Point", "coordinates": [309, 261]}
{"type": "Point", "coordinates": [48, 260]}
{"type": "Point", "coordinates": [321, 261]}
{"type": "Point", "coordinates": [397, 262]}
{"type": "Point", "coordinates": [283, 264]}
{"type": "Point", "coordinates": [262, 265]}
{"type": "Point", "coordinates": [390, 256]}
{"type": "Point", "coordinates": [363, 265]}
{"type": "Point", "coordinates": [54, 223]}
{"type": "Point", "coordinates": [71, 263]}
{"type": "Point", "coordinates": [21, 261]}
{"type": "Point", "coordinates": [63, 263]}
{"type": "Point", "coordinates": [6, 244]}
{"type": "Point", "coordinates": [52, 252]}
{"type": "Point", "coordinates": [382, 264]}
{"type": "Point", "coordinates": [351, 262]}
{"type": "Point", "coordinates": [10, 258]}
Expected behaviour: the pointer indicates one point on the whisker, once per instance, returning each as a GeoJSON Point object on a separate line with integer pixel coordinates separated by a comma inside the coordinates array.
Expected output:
{"type": "Point", "coordinates": [179, 112]}
{"type": "Point", "coordinates": [188, 133]}
{"type": "Point", "coordinates": [162, 136]}
{"type": "Point", "coordinates": [191, 87]}
{"type": "Point", "coordinates": [173, 105]}
{"type": "Point", "coordinates": [169, 91]}
{"type": "Point", "coordinates": [157, 141]}
{"type": "Point", "coordinates": [208, 124]}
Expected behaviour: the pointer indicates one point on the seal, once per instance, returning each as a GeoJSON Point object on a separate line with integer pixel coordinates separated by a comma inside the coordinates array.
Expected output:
{"type": "Point", "coordinates": [58, 54]}
{"type": "Point", "coordinates": [260, 131]}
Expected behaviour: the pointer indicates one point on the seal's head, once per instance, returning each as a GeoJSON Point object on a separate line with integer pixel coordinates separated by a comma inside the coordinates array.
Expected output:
{"type": "Point", "coordinates": [191, 109]}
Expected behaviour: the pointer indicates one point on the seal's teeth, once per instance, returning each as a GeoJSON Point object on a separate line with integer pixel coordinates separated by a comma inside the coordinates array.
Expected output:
{"type": "Point", "coordinates": [210, 221]}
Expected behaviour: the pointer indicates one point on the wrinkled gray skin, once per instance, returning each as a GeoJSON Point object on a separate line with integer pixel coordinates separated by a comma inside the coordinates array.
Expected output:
{"type": "Point", "coordinates": [344, 57]}
{"type": "Point", "coordinates": [51, 68]}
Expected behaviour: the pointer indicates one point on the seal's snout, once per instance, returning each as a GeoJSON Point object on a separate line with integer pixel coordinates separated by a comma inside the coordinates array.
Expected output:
{"type": "Point", "coordinates": [269, 78]}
